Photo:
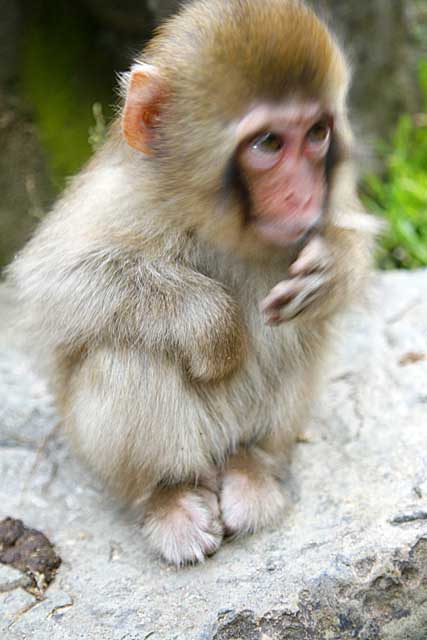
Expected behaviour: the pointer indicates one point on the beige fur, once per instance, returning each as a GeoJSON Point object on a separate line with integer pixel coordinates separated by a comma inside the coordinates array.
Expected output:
{"type": "Point", "coordinates": [251, 496]}
{"type": "Point", "coordinates": [183, 524]}
{"type": "Point", "coordinates": [141, 299]}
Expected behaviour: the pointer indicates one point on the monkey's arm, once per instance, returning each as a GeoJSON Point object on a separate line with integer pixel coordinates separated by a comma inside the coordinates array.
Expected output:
{"type": "Point", "coordinates": [193, 316]}
{"type": "Point", "coordinates": [327, 275]}
{"type": "Point", "coordinates": [107, 296]}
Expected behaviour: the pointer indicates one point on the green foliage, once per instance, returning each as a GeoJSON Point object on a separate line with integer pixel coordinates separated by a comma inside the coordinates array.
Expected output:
{"type": "Point", "coordinates": [64, 74]}
{"type": "Point", "coordinates": [401, 195]}
{"type": "Point", "coordinates": [98, 132]}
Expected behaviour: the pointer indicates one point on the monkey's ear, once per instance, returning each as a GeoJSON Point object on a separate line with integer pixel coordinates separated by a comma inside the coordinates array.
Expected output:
{"type": "Point", "coordinates": [145, 94]}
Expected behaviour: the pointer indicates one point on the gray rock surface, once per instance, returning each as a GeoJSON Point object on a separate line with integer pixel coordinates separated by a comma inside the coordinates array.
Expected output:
{"type": "Point", "coordinates": [349, 560]}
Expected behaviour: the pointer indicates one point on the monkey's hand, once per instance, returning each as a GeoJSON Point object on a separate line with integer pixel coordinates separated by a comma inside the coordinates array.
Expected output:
{"type": "Point", "coordinates": [311, 283]}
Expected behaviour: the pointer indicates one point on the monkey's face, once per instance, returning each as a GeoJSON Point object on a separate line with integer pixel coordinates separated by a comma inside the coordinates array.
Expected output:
{"type": "Point", "coordinates": [281, 160]}
{"type": "Point", "coordinates": [274, 183]}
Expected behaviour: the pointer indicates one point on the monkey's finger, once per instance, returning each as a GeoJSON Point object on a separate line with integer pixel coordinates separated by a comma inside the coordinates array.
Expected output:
{"type": "Point", "coordinates": [280, 295]}
{"type": "Point", "coordinates": [305, 291]}
{"type": "Point", "coordinates": [289, 290]}
{"type": "Point", "coordinates": [273, 319]}
{"type": "Point", "coordinates": [293, 310]}
{"type": "Point", "coordinates": [315, 256]}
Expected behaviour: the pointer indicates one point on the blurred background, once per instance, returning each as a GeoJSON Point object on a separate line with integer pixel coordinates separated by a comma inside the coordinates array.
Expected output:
{"type": "Point", "coordinates": [58, 61]}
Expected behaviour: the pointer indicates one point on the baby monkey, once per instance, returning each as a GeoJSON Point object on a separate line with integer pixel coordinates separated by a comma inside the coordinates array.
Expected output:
{"type": "Point", "coordinates": [180, 295]}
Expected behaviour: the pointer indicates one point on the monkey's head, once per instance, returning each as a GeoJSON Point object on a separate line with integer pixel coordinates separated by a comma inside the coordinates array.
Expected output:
{"type": "Point", "coordinates": [238, 106]}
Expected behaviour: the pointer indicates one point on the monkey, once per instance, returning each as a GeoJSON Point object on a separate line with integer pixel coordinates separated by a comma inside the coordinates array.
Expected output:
{"type": "Point", "coordinates": [182, 294]}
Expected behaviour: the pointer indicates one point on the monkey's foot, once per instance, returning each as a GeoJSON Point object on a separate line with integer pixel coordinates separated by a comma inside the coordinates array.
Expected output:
{"type": "Point", "coordinates": [249, 501]}
{"type": "Point", "coordinates": [183, 524]}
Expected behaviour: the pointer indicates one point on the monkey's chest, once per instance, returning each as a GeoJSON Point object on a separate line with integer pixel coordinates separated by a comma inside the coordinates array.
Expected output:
{"type": "Point", "coordinates": [269, 392]}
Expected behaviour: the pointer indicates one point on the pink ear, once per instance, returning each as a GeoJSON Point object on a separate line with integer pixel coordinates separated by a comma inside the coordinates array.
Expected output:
{"type": "Point", "coordinates": [146, 92]}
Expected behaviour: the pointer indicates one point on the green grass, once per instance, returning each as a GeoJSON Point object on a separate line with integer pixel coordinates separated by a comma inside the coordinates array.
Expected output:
{"type": "Point", "coordinates": [400, 196]}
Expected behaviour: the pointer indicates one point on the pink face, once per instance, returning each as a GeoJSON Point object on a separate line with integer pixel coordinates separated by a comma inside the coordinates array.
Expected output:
{"type": "Point", "coordinates": [282, 155]}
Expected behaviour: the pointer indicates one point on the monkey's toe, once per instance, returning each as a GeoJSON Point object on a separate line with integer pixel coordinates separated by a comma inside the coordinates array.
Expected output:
{"type": "Point", "coordinates": [182, 524]}
{"type": "Point", "coordinates": [249, 504]}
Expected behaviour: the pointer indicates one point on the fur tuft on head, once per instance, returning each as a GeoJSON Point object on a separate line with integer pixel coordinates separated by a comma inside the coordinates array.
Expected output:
{"type": "Point", "coordinates": [246, 50]}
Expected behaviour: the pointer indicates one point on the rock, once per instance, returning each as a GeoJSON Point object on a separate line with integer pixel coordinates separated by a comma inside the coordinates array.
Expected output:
{"type": "Point", "coordinates": [349, 560]}
{"type": "Point", "coordinates": [30, 552]}
{"type": "Point", "coordinates": [163, 8]}
{"type": "Point", "coordinates": [24, 183]}
{"type": "Point", "coordinates": [132, 16]}
{"type": "Point", "coordinates": [9, 30]}
{"type": "Point", "coordinates": [127, 16]}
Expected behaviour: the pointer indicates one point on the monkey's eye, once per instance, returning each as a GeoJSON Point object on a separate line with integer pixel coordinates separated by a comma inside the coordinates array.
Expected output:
{"type": "Point", "coordinates": [267, 143]}
{"type": "Point", "coordinates": [319, 132]}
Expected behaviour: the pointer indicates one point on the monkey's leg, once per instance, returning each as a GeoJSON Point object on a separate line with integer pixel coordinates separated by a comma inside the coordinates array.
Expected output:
{"type": "Point", "coordinates": [137, 423]}
{"type": "Point", "coordinates": [251, 495]}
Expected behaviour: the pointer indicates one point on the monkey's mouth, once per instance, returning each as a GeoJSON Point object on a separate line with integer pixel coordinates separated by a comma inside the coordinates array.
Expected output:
{"type": "Point", "coordinates": [284, 232]}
